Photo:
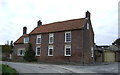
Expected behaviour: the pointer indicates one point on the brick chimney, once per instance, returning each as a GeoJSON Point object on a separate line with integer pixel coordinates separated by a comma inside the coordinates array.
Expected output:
{"type": "Point", "coordinates": [39, 23]}
{"type": "Point", "coordinates": [87, 15]}
{"type": "Point", "coordinates": [24, 30]}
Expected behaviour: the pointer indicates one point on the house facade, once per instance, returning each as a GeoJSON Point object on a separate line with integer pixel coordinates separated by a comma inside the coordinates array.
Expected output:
{"type": "Point", "coordinates": [65, 41]}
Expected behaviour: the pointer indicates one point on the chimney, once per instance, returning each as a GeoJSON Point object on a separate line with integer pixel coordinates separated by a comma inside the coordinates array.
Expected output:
{"type": "Point", "coordinates": [24, 30]}
{"type": "Point", "coordinates": [87, 15]}
{"type": "Point", "coordinates": [39, 23]}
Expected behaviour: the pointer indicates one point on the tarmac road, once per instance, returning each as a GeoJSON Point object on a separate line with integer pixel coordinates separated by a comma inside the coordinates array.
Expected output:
{"type": "Point", "coordinates": [50, 68]}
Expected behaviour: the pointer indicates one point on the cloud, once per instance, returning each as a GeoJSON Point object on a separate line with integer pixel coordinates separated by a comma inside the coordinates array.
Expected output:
{"type": "Point", "coordinates": [14, 14]}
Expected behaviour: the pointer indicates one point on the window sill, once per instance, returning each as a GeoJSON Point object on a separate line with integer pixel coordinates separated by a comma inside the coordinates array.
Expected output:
{"type": "Point", "coordinates": [50, 55]}
{"type": "Point", "coordinates": [20, 55]}
{"type": "Point", "coordinates": [67, 55]}
{"type": "Point", "coordinates": [37, 55]}
{"type": "Point", "coordinates": [26, 42]}
{"type": "Point", "coordinates": [38, 43]}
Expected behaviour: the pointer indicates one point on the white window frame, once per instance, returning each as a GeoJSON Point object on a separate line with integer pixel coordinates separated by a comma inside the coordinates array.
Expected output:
{"type": "Point", "coordinates": [38, 36]}
{"type": "Point", "coordinates": [37, 51]}
{"type": "Point", "coordinates": [66, 36]}
{"type": "Point", "coordinates": [51, 35]}
{"type": "Point", "coordinates": [92, 52]}
{"type": "Point", "coordinates": [67, 46]}
{"type": "Point", "coordinates": [50, 47]}
{"type": "Point", "coordinates": [25, 39]}
{"type": "Point", "coordinates": [18, 52]}
{"type": "Point", "coordinates": [88, 26]}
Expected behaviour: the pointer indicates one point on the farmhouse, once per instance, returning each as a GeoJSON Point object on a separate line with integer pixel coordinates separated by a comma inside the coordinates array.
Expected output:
{"type": "Point", "coordinates": [65, 41]}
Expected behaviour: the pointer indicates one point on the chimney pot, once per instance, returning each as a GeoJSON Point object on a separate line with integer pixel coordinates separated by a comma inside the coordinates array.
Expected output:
{"type": "Point", "coordinates": [87, 15]}
{"type": "Point", "coordinates": [39, 23]}
{"type": "Point", "coordinates": [24, 30]}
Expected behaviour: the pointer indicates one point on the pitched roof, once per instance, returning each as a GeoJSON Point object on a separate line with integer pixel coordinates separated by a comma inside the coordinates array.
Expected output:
{"type": "Point", "coordinates": [20, 40]}
{"type": "Point", "coordinates": [54, 27]}
{"type": "Point", "coordinates": [60, 26]}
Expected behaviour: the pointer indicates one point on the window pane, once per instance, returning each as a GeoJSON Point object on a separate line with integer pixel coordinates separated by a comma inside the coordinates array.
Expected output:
{"type": "Point", "coordinates": [38, 51]}
{"type": "Point", "coordinates": [26, 39]}
{"type": "Point", "coordinates": [67, 51]}
{"type": "Point", "coordinates": [68, 37]}
{"type": "Point", "coordinates": [51, 39]}
{"type": "Point", "coordinates": [50, 51]}
{"type": "Point", "coordinates": [20, 52]}
{"type": "Point", "coordinates": [38, 40]}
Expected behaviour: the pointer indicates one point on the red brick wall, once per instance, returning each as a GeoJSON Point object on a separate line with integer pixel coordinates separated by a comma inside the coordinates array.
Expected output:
{"type": "Point", "coordinates": [58, 55]}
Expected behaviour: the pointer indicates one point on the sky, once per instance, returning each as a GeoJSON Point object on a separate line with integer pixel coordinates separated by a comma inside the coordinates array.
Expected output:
{"type": "Point", "coordinates": [15, 14]}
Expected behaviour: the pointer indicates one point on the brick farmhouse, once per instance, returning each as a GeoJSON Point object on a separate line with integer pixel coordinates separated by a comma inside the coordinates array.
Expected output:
{"type": "Point", "coordinates": [65, 41]}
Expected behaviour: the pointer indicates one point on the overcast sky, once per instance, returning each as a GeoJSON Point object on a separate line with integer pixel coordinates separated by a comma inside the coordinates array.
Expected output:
{"type": "Point", "coordinates": [15, 14]}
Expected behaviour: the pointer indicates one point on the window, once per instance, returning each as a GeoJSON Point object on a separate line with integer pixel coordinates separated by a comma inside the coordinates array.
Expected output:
{"type": "Point", "coordinates": [67, 36]}
{"type": "Point", "coordinates": [51, 38]}
{"type": "Point", "coordinates": [67, 50]}
{"type": "Point", "coordinates": [21, 52]}
{"type": "Point", "coordinates": [92, 52]}
{"type": "Point", "coordinates": [50, 50]}
{"type": "Point", "coordinates": [38, 40]}
{"type": "Point", "coordinates": [26, 40]}
{"type": "Point", "coordinates": [87, 25]}
{"type": "Point", "coordinates": [38, 51]}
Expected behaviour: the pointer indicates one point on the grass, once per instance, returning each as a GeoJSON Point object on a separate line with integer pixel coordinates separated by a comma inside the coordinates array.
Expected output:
{"type": "Point", "coordinates": [7, 70]}
{"type": "Point", "coordinates": [0, 68]}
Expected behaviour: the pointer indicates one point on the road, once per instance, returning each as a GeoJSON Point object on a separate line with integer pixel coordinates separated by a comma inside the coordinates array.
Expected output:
{"type": "Point", "coordinates": [50, 68]}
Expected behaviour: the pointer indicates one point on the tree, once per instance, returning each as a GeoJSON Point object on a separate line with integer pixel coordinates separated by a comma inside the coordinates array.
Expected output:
{"type": "Point", "coordinates": [11, 45]}
{"type": "Point", "coordinates": [29, 54]}
{"type": "Point", "coordinates": [117, 42]}
{"type": "Point", "coordinates": [6, 49]}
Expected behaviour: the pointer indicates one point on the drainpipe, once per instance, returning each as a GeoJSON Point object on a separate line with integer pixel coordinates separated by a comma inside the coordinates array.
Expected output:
{"type": "Point", "coordinates": [83, 47]}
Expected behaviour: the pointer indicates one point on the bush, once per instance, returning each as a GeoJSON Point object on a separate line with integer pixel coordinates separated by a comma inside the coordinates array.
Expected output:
{"type": "Point", "coordinates": [4, 58]}
{"type": "Point", "coordinates": [30, 54]}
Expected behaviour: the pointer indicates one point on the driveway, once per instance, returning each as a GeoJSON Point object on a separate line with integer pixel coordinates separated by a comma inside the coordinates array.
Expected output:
{"type": "Point", "coordinates": [50, 68]}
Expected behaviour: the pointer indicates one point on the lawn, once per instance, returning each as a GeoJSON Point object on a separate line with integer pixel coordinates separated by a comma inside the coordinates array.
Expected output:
{"type": "Point", "coordinates": [0, 68]}
{"type": "Point", "coordinates": [7, 70]}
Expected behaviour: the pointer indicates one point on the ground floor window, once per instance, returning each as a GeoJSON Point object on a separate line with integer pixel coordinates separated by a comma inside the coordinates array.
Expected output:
{"type": "Point", "coordinates": [67, 50]}
{"type": "Point", "coordinates": [38, 51]}
{"type": "Point", "coordinates": [21, 52]}
{"type": "Point", "coordinates": [50, 50]}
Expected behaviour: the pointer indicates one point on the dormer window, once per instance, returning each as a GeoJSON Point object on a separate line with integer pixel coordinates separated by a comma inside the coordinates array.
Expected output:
{"type": "Point", "coordinates": [26, 40]}
{"type": "Point", "coordinates": [87, 25]}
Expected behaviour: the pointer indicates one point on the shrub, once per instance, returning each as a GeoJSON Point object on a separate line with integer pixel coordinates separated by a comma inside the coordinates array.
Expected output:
{"type": "Point", "coordinates": [30, 54]}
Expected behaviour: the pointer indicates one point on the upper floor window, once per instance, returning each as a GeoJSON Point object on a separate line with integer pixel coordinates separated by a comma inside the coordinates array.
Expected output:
{"type": "Point", "coordinates": [67, 36]}
{"type": "Point", "coordinates": [21, 52]}
{"type": "Point", "coordinates": [38, 39]}
{"type": "Point", "coordinates": [87, 25]}
{"type": "Point", "coordinates": [51, 38]}
{"type": "Point", "coordinates": [26, 40]}
{"type": "Point", "coordinates": [50, 50]}
{"type": "Point", "coordinates": [67, 50]}
{"type": "Point", "coordinates": [38, 51]}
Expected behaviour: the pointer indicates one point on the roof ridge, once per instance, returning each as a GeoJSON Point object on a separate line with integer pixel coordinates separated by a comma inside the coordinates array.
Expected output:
{"type": "Point", "coordinates": [62, 21]}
